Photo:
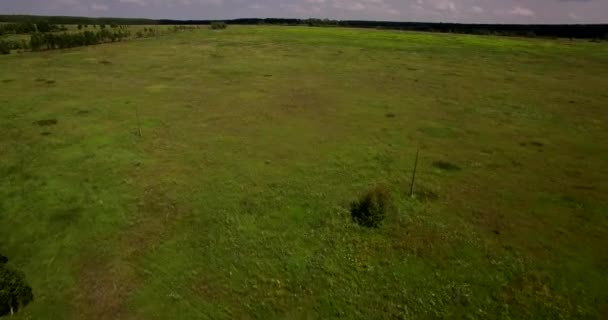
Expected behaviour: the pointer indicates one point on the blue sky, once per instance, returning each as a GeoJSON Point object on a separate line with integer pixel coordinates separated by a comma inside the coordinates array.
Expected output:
{"type": "Point", "coordinates": [466, 11]}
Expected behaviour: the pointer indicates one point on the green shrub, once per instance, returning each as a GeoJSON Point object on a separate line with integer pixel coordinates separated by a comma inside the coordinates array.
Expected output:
{"type": "Point", "coordinates": [371, 207]}
{"type": "Point", "coordinates": [218, 25]}
{"type": "Point", "coordinates": [15, 293]}
{"type": "Point", "coordinates": [5, 47]}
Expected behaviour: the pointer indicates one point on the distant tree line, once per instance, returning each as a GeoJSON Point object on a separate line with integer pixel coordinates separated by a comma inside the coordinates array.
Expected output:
{"type": "Point", "coordinates": [77, 20]}
{"type": "Point", "coordinates": [49, 41]}
{"type": "Point", "coordinates": [155, 32]}
{"type": "Point", "coordinates": [584, 31]}
{"type": "Point", "coordinates": [321, 22]}
{"type": "Point", "coordinates": [27, 27]}
{"type": "Point", "coordinates": [218, 25]}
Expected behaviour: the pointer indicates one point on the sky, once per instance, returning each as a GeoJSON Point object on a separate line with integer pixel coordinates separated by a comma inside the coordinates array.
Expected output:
{"type": "Point", "coordinates": [464, 11]}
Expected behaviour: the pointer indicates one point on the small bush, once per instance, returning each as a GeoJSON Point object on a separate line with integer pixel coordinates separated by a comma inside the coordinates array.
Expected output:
{"type": "Point", "coordinates": [5, 47]}
{"type": "Point", "coordinates": [15, 293]}
{"type": "Point", "coordinates": [218, 25]}
{"type": "Point", "coordinates": [371, 207]}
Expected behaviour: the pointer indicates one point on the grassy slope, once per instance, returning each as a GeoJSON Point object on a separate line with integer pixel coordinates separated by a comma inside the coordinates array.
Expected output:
{"type": "Point", "coordinates": [233, 203]}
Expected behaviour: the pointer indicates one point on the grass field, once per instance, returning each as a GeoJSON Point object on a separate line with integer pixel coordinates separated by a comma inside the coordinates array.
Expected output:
{"type": "Point", "coordinates": [233, 202]}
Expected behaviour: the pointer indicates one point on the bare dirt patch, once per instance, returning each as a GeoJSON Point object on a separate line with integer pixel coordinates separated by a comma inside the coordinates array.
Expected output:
{"type": "Point", "coordinates": [425, 194]}
{"type": "Point", "coordinates": [107, 282]}
{"type": "Point", "coordinates": [104, 288]}
{"type": "Point", "coordinates": [158, 212]}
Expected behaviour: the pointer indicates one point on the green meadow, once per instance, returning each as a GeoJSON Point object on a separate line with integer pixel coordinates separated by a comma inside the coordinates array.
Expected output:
{"type": "Point", "coordinates": [209, 175]}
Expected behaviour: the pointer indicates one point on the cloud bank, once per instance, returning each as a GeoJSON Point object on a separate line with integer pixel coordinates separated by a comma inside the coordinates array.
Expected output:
{"type": "Point", "coordinates": [465, 11]}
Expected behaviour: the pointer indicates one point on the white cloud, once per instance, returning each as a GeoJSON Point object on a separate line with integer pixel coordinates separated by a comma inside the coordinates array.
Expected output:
{"type": "Point", "coordinates": [67, 2]}
{"type": "Point", "coordinates": [464, 11]}
{"type": "Point", "coordinates": [349, 5]}
{"type": "Point", "coordinates": [137, 2]}
{"type": "Point", "coordinates": [99, 7]}
{"type": "Point", "coordinates": [200, 2]}
{"type": "Point", "coordinates": [174, 3]}
{"type": "Point", "coordinates": [444, 5]}
{"type": "Point", "coordinates": [256, 6]}
{"type": "Point", "coordinates": [372, 7]}
{"type": "Point", "coordinates": [520, 11]}
{"type": "Point", "coordinates": [295, 8]}
{"type": "Point", "coordinates": [574, 16]}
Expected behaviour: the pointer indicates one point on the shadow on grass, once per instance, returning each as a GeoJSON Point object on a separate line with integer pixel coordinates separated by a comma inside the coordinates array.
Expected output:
{"type": "Point", "coordinates": [446, 166]}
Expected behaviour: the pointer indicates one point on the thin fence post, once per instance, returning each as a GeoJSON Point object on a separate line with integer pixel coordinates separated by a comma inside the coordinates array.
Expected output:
{"type": "Point", "coordinates": [138, 122]}
{"type": "Point", "coordinates": [414, 173]}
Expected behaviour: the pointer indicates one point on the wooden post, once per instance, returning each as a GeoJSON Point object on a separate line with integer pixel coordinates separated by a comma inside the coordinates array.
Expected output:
{"type": "Point", "coordinates": [414, 173]}
{"type": "Point", "coordinates": [138, 122]}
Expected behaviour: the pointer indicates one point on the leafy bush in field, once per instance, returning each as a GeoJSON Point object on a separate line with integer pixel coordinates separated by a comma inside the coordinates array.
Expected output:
{"type": "Point", "coordinates": [5, 47]}
{"type": "Point", "coordinates": [182, 28]}
{"type": "Point", "coordinates": [371, 207]}
{"type": "Point", "coordinates": [15, 293]}
{"type": "Point", "coordinates": [218, 25]}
